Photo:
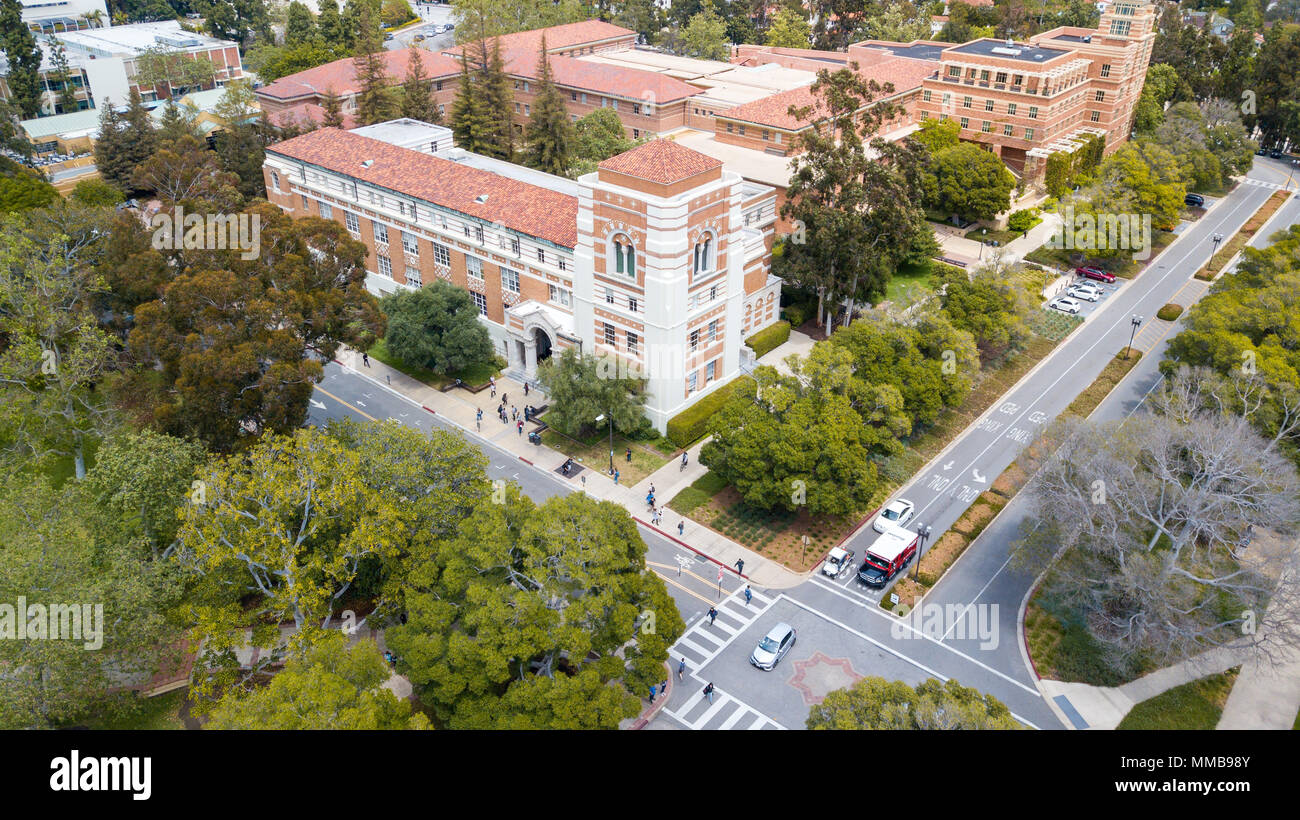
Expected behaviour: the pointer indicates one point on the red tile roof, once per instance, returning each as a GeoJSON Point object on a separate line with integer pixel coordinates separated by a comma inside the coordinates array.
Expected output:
{"type": "Point", "coordinates": [602, 78]}
{"type": "Point", "coordinates": [662, 161]}
{"type": "Point", "coordinates": [773, 111]}
{"type": "Point", "coordinates": [526, 208]}
{"type": "Point", "coordinates": [558, 37]}
{"type": "Point", "coordinates": [340, 75]}
{"type": "Point", "coordinates": [305, 114]}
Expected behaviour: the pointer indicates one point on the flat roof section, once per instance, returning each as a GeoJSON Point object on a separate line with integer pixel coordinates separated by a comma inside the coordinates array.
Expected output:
{"type": "Point", "coordinates": [658, 61]}
{"type": "Point", "coordinates": [919, 51]}
{"type": "Point", "coordinates": [1023, 52]}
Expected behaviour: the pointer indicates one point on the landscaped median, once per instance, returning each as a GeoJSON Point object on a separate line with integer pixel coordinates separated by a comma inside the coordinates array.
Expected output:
{"type": "Point", "coordinates": [1238, 241]}
{"type": "Point", "coordinates": [941, 555]}
{"type": "Point", "coordinates": [473, 376]}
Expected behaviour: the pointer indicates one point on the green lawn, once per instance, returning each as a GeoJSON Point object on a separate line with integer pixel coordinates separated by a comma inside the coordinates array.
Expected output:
{"type": "Point", "coordinates": [700, 491]}
{"type": "Point", "coordinates": [908, 282]}
{"type": "Point", "coordinates": [1193, 706]}
{"type": "Point", "coordinates": [990, 235]}
{"type": "Point", "coordinates": [473, 375]}
{"type": "Point", "coordinates": [161, 712]}
{"type": "Point", "coordinates": [594, 455]}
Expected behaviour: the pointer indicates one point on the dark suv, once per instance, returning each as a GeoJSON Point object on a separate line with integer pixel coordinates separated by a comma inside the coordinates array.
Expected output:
{"type": "Point", "coordinates": [1195, 200]}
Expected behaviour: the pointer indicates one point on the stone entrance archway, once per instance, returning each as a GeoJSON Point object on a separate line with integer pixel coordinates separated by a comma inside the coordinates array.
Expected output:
{"type": "Point", "coordinates": [542, 344]}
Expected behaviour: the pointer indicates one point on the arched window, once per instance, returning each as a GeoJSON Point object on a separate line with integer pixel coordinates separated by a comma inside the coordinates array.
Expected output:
{"type": "Point", "coordinates": [620, 256]}
{"type": "Point", "coordinates": [704, 254]}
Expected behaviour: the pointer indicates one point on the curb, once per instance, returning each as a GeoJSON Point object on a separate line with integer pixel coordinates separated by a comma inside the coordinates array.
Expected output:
{"type": "Point", "coordinates": [680, 542]}
{"type": "Point", "coordinates": [660, 700]}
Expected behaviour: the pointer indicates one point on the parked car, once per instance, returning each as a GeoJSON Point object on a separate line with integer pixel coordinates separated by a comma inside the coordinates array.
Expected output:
{"type": "Point", "coordinates": [837, 561]}
{"type": "Point", "coordinates": [1097, 274]}
{"type": "Point", "coordinates": [1066, 305]}
{"type": "Point", "coordinates": [1261, 152]}
{"type": "Point", "coordinates": [1087, 291]}
{"type": "Point", "coordinates": [887, 556]}
{"type": "Point", "coordinates": [1275, 154]}
{"type": "Point", "coordinates": [896, 513]}
{"type": "Point", "coordinates": [418, 38]}
{"type": "Point", "coordinates": [1195, 200]}
{"type": "Point", "coordinates": [773, 647]}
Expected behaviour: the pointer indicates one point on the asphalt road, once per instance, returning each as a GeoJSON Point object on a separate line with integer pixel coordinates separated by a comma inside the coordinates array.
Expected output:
{"type": "Point", "coordinates": [842, 630]}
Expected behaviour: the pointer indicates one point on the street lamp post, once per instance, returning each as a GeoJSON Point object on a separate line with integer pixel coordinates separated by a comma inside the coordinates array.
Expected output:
{"type": "Point", "coordinates": [599, 419]}
{"type": "Point", "coordinates": [1136, 321]}
{"type": "Point", "coordinates": [923, 533]}
{"type": "Point", "coordinates": [1218, 237]}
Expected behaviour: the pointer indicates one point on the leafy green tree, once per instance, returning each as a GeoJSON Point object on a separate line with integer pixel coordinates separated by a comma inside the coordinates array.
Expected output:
{"type": "Point", "coordinates": [24, 57]}
{"type": "Point", "coordinates": [237, 342]}
{"type": "Point", "coordinates": [937, 135]}
{"type": "Point", "coordinates": [96, 193]}
{"type": "Point", "coordinates": [171, 71]}
{"type": "Point", "coordinates": [238, 20]}
{"type": "Point", "coordinates": [789, 29]}
{"type": "Point", "coordinates": [1139, 178]}
{"type": "Point", "coordinates": [967, 181]}
{"type": "Point", "coordinates": [705, 36]}
{"type": "Point", "coordinates": [550, 134]}
{"type": "Point", "coordinates": [598, 135]}
{"type": "Point", "coordinates": [330, 24]}
{"type": "Point", "coordinates": [333, 108]}
{"type": "Point", "coordinates": [1277, 83]}
{"type": "Point", "coordinates": [642, 16]}
{"type": "Point", "coordinates": [325, 684]}
{"type": "Point", "coordinates": [482, 19]}
{"type": "Point", "coordinates": [989, 302]}
{"type": "Point", "coordinates": [125, 140]}
{"type": "Point", "coordinates": [417, 91]}
{"type": "Point", "coordinates": [1160, 87]}
{"type": "Point", "coordinates": [61, 74]}
{"type": "Point", "coordinates": [177, 122]}
{"type": "Point", "coordinates": [806, 439]}
{"type": "Point", "coordinates": [242, 141]}
{"type": "Point", "coordinates": [23, 188]}
{"type": "Point", "coordinates": [536, 618]}
{"type": "Point", "coordinates": [59, 551]}
{"type": "Point", "coordinates": [584, 387]}
{"type": "Point", "coordinates": [897, 22]}
{"type": "Point", "coordinates": [186, 174]}
{"type": "Point", "coordinates": [436, 327]}
{"type": "Point", "coordinates": [877, 703]}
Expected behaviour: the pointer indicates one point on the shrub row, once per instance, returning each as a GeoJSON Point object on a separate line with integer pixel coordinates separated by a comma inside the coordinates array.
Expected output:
{"type": "Point", "coordinates": [769, 338]}
{"type": "Point", "coordinates": [691, 425]}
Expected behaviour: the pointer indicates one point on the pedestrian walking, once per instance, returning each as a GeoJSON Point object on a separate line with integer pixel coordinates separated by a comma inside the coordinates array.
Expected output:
{"type": "Point", "coordinates": [514, 412]}
{"type": "Point", "coordinates": [521, 428]}
{"type": "Point", "coordinates": [365, 358]}
{"type": "Point", "coordinates": [708, 692]}
{"type": "Point", "coordinates": [584, 482]}
{"type": "Point", "coordinates": [749, 595]}
{"type": "Point", "coordinates": [493, 381]}
{"type": "Point", "coordinates": [713, 615]}
{"type": "Point", "coordinates": [653, 692]}
{"type": "Point", "coordinates": [615, 476]}
{"type": "Point", "coordinates": [681, 527]}
{"type": "Point", "coordinates": [740, 566]}
{"type": "Point", "coordinates": [505, 399]}
{"type": "Point", "coordinates": [525, 388]}
{"type": "Point", "coordinates": [652, 488]}
{"type": "Point", "coordinates": [681, 669]}
{"type": "Point", "coordinates": [650, 501]}
{"type": "Point", "coordinates": [629, 455]}
{"type": "Point", "coordinates": [683, 467]}
{"type": "Point", "coordinates": [478, 419]}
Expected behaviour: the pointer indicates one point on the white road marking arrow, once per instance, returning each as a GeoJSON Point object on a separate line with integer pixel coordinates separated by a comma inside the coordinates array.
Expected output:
{"type": "Point", "coordinates": [319, 405]}
{"type": "Point", "coordinates": [976, 475]}
{"type": "Point", "coordinates": [359, 403]}
{"type": "Point", "coordinates": [947, 466]}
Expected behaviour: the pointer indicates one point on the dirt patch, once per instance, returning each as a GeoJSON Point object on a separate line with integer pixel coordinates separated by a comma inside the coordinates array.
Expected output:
{"type": "Point", "coordinates": [776, 535]}
{"type": "Point", "coordinates": [1010, 482]}
{"type": "Point", "coordinates": [940, 556]}
{"type": "Point", "coordinates": [975, 519]}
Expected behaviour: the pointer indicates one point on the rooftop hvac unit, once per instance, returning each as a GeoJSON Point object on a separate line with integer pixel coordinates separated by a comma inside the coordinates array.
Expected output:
{"type": "Point", "coordinates": [1010, 52]}
{"type": "Point", "coordinates": [176, 41]}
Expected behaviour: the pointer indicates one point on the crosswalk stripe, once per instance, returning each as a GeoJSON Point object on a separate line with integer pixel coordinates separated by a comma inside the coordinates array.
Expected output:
{"type": "Point", "coordinates": [758, 723]}
{"type": "Point", "coordinates": [734, 719]}
{"type": "Point", "coordinates": [692, 646]}
{"type": "Point", "coordinates": [719, 699]}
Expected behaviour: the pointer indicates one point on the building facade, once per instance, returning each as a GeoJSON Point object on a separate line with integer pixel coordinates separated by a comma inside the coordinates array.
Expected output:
{"type": "Point", "coordinates": [660, 260]}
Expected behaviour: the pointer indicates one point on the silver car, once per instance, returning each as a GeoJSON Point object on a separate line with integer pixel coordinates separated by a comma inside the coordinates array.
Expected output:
{"type": "Point", "coordinates": [773, 647]}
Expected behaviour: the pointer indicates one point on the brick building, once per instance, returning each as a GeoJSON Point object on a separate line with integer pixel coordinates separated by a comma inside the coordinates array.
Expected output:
{"type": "Point", "coordinates": [660, 258]}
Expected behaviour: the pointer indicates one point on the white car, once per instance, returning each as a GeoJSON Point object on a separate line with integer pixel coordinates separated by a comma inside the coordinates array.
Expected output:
{"type": "Point", "coordinates": [1066, 305]}
{"type": "Point", "coordinates": [1088, 293]}
{"type": "Point", "coordinates": [896, 514]}
{"type": "Point", "coordinates": [837, 561]}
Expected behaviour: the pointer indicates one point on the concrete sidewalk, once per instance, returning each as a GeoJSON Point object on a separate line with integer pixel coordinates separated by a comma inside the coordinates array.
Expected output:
{"type": "Point", "coordinates": [956, 246]}
{"type": "Point", "coordinates": [459, 406]}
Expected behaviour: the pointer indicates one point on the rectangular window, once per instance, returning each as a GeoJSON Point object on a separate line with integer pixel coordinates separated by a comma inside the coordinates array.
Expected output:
{"type": "Point", "coordinates": [560, 261]}
{"type": "Point", "coordinates": [1033, 112]}
{"type": "Point", "coordinates": [988, 105]}
{"type": "Point", "coordinates": [631, 303]}
{"type": "Point", "coordinates": [410, 244]}
{"type": "Point", "coordinates": [474, 266]}
{"type": "Point", "coordinates": [559, 296]}
{"type": "Point", "coordinates": [925, 115]}
{"type": "Point", "coordinates": [1101, 96]}
{"type": "Point", "coordinates": [385, 266]}
{"type": "Point", "coordinates": [1120, 27]}
{"type": "Point", "coordinates": [695, 340]}
{"type": "Point", "coordinates": [326, 212]}
{"type": "Point", "coordinates": [306, 206]}
{"type": "Point", "coordinates": [478, 234]}
{"type": "Point", "coordinates": [1029, 133]}
{"type": "Point", "coordinates": [609, 296]}
{"type": "Point", "coordinates": [353, 224]}
{"type": "Point", "coordinates": [1105, 70]}
{"type": "Point", "coordinates": [632, 341]}
{"type": "Point", "coordinates": [466, 226]}
{"type": "Point", "coordinates": [481, 301]}
{"type": "Point", "coordinates": [1006, 130]}
{"type": "Point", "coordinates": [510, 280]}
{"type": "Point", "coordinates": [275, 180]}
{"type": "Point", "coordinates": [741, 130]}
{"type": "Point", "coordinates": [986, 126]}
{"type": "Point", "coordinates": [381, 232]}
{"type": "Point", "coordinates": [713, 330]}
{"type": "Point", "coordinates": [413, 277]}
{"type": "Point", "coordinates": [965, 123]}
{"type": "Point", "coordinates": [766, 135]}
{"type": "Point", "coordinates": [925, 95]}
{"type": "Point", "coordinates": [573, 95]}
{"type": "Point", "coordinates": [692, 384]}
{"type": "Point", "coordinates": [1000, 77]}
{"type": "Point", "coordinates": [965, 102]}
{"type": "Point", "coordinates": [713, 293]}
{"type": "Point", "coordinates": [610, 338]}
{"type": "Point", "coordinates": [1017, 79]}
{"type": "Point", "coordinates": [1096, 116]}
{"type": "Point", "coordinates": [730, 128]}
{"type": "Point", "coordinates": [636, 108]}
{"type": "Point", "coordinates": [709, 370]}
{"type": "Point", "coordinates": [514, 246]}
{"type": "Point", "coordinates": [954, 71]}
{"type": "Point", "coordinates": [528, 110]}
{"type": "Point", "coordinates": [1011, 109]}
{"type": "Point", "coordinates": [541, 255]}
{"type": "Point", "coordinates": [441, 255]}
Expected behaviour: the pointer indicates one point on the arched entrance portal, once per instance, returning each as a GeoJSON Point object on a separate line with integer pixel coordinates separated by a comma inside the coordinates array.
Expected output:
{"type": "Point", "coordinates": [543, 344]}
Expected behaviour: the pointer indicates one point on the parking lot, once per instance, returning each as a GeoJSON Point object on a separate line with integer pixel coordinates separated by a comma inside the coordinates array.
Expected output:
{"type": "Point", "coordinates": [433, 17]}
{"type": "Point", "coordinates": [1087, 308]}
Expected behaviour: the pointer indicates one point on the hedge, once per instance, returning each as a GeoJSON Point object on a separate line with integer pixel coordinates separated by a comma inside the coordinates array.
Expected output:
{"type": "Point", "coordinates": [1169, 312]}
{"type": "Point", "coordinates": [769, 339]}
{"type": "Point", "coordinates": [692, 424]}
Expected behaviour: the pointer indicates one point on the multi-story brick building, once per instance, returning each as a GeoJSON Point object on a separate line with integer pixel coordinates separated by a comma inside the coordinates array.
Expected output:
{"type": "Point", "coordinates": [660, 258]}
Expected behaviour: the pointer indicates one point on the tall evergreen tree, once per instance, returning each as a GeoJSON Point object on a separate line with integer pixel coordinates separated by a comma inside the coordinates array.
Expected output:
{"type": "Point", "coordinates": [500, 101]}
{"type": "Point", "coordinates": [550, 134]}
{"type": "Point", "coordinates": [470, 125]}
{"type": "Point", "coordinates": [417, 90]}
{"type": "Point", "coordinates": [333, 110]}
{"type": "Point", "coordinates": [176, 124]}
{"type": "Point", "coordinates": [330, 25]}
{"type": "Point", "coordinates": [109, 157]}
{"type": "Point", "coordinates": [375, 101]}
{"type": "Point", "coordinates": [301, 26]}
{"type": "Point", "coordinates": [24, 77]}
{"type": "Point", "coordinates": [67, 99]}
